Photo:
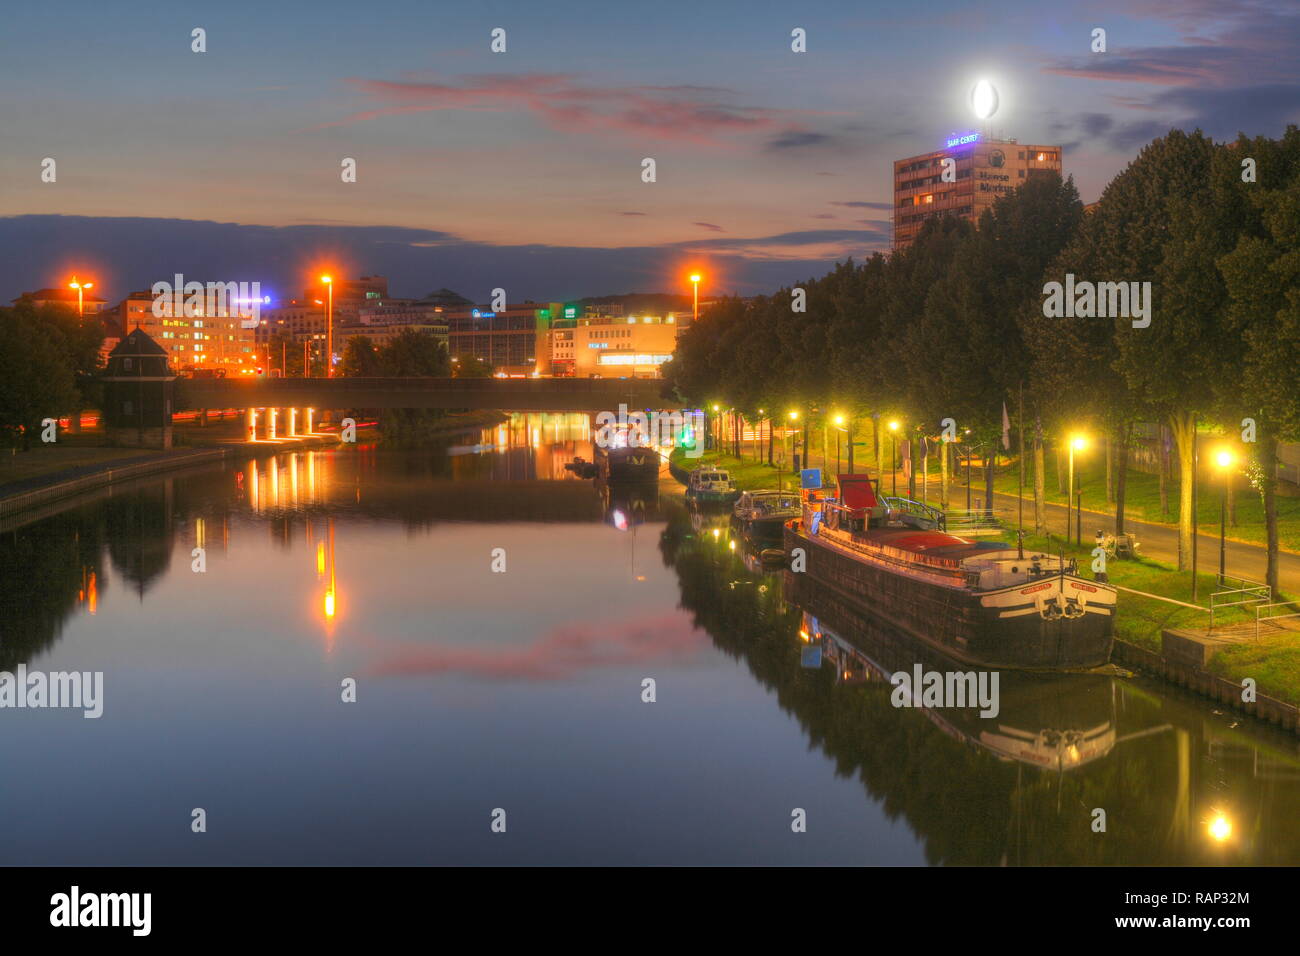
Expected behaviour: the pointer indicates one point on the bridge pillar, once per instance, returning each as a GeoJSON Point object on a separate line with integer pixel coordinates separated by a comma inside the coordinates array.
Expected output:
{"type": "Point", "coordinates": [293, 422]}
{"type": "Point", "coordinates": [271, 415]}
{"type": "Point", "coordinates": [251, 424]}
{"type": "Point", "coordinates": [310, 412]}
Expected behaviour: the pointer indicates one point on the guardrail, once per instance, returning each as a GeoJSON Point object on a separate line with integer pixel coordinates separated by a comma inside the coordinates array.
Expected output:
{"type": "Point", "coordinates": [1274, 617]}
{"type": "Point", "coordinates": [1256, 594]}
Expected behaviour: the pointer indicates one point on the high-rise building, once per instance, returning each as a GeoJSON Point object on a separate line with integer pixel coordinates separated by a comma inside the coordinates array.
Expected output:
{"type": "Point", "coordinates": [981, 171]}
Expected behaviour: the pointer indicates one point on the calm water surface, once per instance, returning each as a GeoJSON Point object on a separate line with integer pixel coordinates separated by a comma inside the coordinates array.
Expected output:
{"type": "Point", "coordinates": [522, 690]}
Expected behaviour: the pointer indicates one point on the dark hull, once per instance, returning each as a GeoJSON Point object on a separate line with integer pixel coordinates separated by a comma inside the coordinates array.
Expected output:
{"type": "Point", "coordinates": [760, 530]}
{"type": "Point", "coordinates": [953, 620]}
{"type": "Point", "coordinates": [628, 464]}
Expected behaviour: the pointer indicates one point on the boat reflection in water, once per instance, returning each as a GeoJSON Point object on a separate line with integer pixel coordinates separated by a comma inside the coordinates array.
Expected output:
{"type": "Point", "coordinates": [1057, 722]}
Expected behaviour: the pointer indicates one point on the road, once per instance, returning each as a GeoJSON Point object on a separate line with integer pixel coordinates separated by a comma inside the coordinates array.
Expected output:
{"type": "Point", "coordinates": [1160, 543]}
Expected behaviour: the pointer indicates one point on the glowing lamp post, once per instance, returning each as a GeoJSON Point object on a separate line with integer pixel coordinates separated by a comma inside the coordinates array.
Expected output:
{"type": "Point", "coordinates": [1077, 443]}
{"type": "Point", "coordinates": [1225, 461]}
{"type": "Point", "coordinates": [81, 287]}
{"type": "Point", "coordinates": [794, 417]}
{"type": "Point", "coordinates": [329, 327]}
{"type": "Point", "coordinates": [839, 426]}
{"type": "Point", "coordinates": [893, 454]}
{"type": "Point", "coordinates": [695, 284]}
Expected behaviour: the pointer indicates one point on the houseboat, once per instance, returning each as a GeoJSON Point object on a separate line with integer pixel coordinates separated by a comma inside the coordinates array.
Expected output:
{"type": "Point", "coordinates": [988, 603]}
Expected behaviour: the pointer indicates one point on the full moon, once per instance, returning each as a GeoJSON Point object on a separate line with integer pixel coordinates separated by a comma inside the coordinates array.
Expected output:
{"type": "Point", "coordinates": [984, 99]}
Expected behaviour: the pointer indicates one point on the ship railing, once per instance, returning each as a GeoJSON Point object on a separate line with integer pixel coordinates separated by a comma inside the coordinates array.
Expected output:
{"type": "Point", "coordinates": [921, 514]}
{"type": "Point", "coordinates": [972, 522]}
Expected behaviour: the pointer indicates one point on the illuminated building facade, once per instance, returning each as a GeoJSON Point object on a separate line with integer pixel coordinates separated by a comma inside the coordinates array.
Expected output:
{"type": "Point", "coordinates": [218, 340]}
{"type": "Point", "coordinates": [982, 170]}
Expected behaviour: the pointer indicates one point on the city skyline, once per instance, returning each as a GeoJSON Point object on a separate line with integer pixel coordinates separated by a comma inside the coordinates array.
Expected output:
{"type": "Point", "coordinates": [522, 169]}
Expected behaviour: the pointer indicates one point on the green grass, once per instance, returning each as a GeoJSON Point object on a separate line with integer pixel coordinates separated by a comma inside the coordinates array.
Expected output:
{"type": "Point", "coordinates": [1142, 499]}
{"type": "Point", "coordinates": [1273, 661]}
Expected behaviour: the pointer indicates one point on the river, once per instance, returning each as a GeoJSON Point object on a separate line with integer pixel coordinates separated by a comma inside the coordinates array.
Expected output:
{"type": "Point", "coordinates": [501, 620]}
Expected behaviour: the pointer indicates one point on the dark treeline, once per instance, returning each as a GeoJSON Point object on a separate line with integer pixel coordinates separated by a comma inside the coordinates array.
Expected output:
{"type": "Point", "coordinates": [48, 357]}
{"type": "Point", "coordinates": [954, 326]}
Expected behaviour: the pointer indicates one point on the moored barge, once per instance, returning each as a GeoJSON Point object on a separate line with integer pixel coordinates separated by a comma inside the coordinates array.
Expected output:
{"type": "Point", "coordinates": [988, 603]}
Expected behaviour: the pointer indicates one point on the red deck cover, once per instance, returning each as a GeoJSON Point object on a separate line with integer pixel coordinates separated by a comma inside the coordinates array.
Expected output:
{"type": "Point", "coordinates": [856, 491]}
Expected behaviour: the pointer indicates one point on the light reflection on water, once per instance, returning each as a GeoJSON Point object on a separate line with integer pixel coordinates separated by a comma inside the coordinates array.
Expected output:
{"type": "Point", "coordinates": [522, 689]}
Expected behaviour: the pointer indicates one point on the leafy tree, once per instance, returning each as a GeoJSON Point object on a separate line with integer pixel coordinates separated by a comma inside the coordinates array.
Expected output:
{"type": "Point", "coordinates": [36, 378]}
{"type": "Point", "coordinates": [413, 353]}
{"type": "Point", "coordinates": [1262, 275]}
{"type": "Point", "coordinates": [360, 358]}
{"type": "Point", "coordinates": [471, 366]}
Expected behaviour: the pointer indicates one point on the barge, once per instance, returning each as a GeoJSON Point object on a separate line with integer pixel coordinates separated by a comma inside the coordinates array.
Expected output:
{"type": "Point", "coordinates": [987, 603]}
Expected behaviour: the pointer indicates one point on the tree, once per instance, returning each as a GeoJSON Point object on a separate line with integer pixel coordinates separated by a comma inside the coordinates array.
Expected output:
{"type": "Point", "coordinates": [471, 366]}
{"type": "Point", "coordinates": [413, 353]}
{"type": "Point", "coordinates": [360, 358]}
{"type": "Point", "coordinates": [1262, 275]}
{"type": "Point", "coordinates": [36, 378]}
{"type": "Point", "coordinates": [1162, 221]}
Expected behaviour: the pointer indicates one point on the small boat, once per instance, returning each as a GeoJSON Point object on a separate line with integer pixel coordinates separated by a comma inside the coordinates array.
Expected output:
{"type": "Point", "coordinates": [708, 484]}
{"type": "Point", "coordinates": [986, 602]}
{"type": "Point", "coordinates": [761, 515]}
{"type": "Point", "coordinates": [582, 468]}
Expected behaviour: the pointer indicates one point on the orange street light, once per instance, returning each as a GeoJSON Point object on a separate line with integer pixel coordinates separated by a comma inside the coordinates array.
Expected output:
{"type": "Point", "coordinates": [329, 328]}
{"type": "Point", "coordinates": [695, 283]}
{"type": "Point", "coordinates": [1225, 460]}
{"type": "Point", "coordinates": [80, 287]}
{"type": "Point", "coordinates": [1077, 443]}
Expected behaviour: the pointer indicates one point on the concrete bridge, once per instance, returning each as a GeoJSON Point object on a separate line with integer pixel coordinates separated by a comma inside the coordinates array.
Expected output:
{"type": "Point", "coordinates": [505, 394]}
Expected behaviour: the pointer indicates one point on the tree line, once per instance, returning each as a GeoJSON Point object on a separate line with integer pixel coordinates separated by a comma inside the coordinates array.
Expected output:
{"type": "Point", "coordinates": [48, 359]}
{"type": "Point", "coordinates": [954, 326]}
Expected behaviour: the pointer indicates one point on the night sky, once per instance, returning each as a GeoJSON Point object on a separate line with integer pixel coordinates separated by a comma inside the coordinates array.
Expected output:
{"type": "Point", "coordinates": [522, 169]}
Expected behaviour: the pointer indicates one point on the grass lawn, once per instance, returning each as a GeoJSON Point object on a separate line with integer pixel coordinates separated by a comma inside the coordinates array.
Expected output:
{"type": "Point", "coordinates": [1274, 662]}
{"type": "Point", "coordinates": [1142, 499]}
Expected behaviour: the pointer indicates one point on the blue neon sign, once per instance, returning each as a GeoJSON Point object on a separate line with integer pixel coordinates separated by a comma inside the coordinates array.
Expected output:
{"type": "Point", "coordinates": [964, 140]}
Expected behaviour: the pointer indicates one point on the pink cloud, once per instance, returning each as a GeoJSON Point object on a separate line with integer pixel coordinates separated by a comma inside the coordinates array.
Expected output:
{"type": "Point", "coordinates": [560, 653]}
{"type": "Point", "coordinates": [691, 113]}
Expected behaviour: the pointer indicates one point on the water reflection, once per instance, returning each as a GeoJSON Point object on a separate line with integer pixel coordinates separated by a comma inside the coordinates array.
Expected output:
{"type": "Point", "coordinates": [1180, 783]}
{"type": "Point", "coordinates": [325, 564]}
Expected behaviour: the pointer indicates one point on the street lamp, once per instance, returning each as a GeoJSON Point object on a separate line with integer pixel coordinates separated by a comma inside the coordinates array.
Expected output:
{"type": "Point", "coordinates": [329, 328]}
{"type": "Point", "coordinates": [839, 425]}
{"type": "Point", "coordinates": [695, 282]}
{"type": "Point", "coordinates": [80, 287]}
{"type": "Point", "coordinates": [1225, 460]}
{"type": "Point", "coordinates": [893, 453]}
{"type": "Point", "coordinates": [794, 417]}
{"type": "Point", "coordinates": [1077, 443]}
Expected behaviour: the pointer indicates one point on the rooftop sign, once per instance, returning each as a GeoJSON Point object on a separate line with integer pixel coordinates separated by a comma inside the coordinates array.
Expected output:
{"type": "Point", "coordinates": [964, 140]}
